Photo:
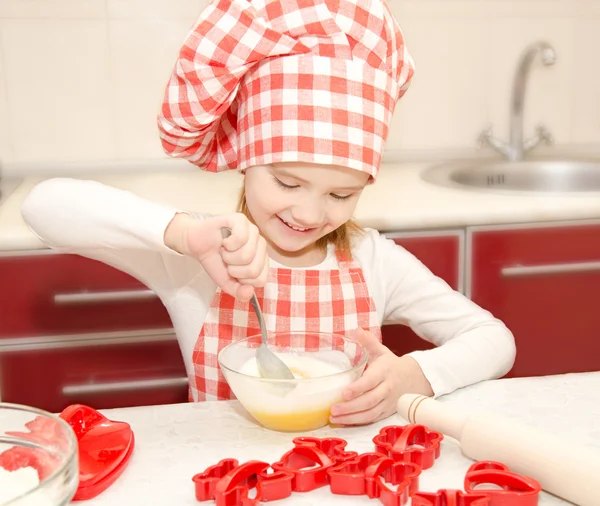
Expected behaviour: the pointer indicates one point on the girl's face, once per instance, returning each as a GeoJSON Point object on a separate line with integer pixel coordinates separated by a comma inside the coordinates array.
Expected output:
{"type": "Point", "coordinates": [295, 204]}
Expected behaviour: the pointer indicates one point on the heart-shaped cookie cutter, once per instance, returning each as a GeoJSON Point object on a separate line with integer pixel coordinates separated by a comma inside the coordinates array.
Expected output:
{"type": "Point", "coordinates": [104, 447]}
{"type": "Point", "coordinates": [309, 466]}
{"type": "Point", "coordinates": [515, 489]}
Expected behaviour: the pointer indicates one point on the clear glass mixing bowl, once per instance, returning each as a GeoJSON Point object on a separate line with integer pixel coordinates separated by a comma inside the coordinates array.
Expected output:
{"type": "Point", "coordinates": [323, 364]}
{"type": "Point", "coordinates": [33, 438]}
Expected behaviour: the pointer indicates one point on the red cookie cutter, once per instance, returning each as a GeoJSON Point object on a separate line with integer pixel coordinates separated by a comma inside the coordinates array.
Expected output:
{"type": "Point", "coordinates": [409, 443]}
{"type": "Point", "coordinates": [205, 482]}
{"type": "Point", "coordinates": [229, 484]}
{"type": "Point", "coordinates": [402, 476]}
{"type": "Point", "coordinates": [309, 466]}
{"type": "Point", "coordinates": [334, 447]}
{"type": "Point", "coordinates": [391, 474]}
{"type": "Point", "coordinates": [448, 497]}
{"type": "Point", "coordinates": [350, 477]}
{"type": "Point", "coordinates": [104, 448]}
{"type": "Point", "coordinates": [515, 489]}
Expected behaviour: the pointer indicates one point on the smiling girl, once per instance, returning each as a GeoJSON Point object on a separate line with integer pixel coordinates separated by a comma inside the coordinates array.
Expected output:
{"type": "Point", "coordinates": [298, 96]}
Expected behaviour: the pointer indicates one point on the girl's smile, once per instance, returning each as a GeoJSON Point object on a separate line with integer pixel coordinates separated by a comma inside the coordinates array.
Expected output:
{"type": "Point", "coordinates": [296, 228]}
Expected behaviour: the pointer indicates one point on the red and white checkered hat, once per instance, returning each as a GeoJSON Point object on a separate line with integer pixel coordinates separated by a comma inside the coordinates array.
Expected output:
{"type": "Point", "coordinates": [286, 80]}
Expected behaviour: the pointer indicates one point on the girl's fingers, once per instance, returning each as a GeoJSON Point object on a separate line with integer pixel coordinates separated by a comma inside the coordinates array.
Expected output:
{"type": "Point", "coordinates": [244, 292]}
{"type": "Point", "coordinates": [251, 272]}
{"type": "Point", "coordinates": [243, 254]}
{"type": "Point", "coordinates": [367, 415]}
{"type": "Point", "coordinates": [363, 402]}
{"type": "Point", "coordinates": [239, 230]}
{"type": "Point", "coordinates": [372, 377]}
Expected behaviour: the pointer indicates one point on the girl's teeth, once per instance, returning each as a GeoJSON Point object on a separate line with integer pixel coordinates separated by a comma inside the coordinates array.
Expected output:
{"type": "Point", "coordinates": [295, 228]}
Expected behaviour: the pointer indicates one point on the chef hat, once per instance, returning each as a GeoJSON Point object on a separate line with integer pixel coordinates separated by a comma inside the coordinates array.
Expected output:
{"type": "Point", "coordinates": [286, 81]}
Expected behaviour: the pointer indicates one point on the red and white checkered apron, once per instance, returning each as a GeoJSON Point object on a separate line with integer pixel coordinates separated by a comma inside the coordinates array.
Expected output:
{"type": "Point", "coordinates": [335, 301]}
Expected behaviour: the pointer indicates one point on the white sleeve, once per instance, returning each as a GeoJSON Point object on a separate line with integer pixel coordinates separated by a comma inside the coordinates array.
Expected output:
{"type": "Point", "coordinates": [112, 226]}
{"type": "Point", "coordinates": [471, 344]}
{"type": "Point", "coordinates": [72, 214]}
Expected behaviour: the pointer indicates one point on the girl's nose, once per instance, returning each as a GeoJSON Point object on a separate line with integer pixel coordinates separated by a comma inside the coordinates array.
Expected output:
{"type": "Point", "coordinates": [309, 214]}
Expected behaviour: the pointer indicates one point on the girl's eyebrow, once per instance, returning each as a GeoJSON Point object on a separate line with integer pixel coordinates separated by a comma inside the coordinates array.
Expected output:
{"type": "Point", "coordinates": [285, 173]}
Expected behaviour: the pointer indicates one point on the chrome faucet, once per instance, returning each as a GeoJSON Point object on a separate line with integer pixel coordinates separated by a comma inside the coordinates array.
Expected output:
{"type": "Point", "coordinates": [516, 148]}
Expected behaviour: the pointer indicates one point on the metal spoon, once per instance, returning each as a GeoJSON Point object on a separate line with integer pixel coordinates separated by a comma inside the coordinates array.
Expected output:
{"type": "Point", "coordinates": [269, 365]}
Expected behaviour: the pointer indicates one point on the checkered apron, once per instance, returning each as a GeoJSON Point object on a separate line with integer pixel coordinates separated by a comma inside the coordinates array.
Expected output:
{"type": "Point", "coordinates": [335, 301]}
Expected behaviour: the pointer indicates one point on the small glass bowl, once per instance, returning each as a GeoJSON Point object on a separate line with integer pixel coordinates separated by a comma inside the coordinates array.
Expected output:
{"type": "Point", "coordinates": [324, 364]}
{"type": "Point", "coordinates": [33, 438]}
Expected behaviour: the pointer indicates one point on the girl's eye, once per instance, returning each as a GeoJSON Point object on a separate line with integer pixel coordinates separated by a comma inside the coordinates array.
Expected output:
{"type": "Point", "coordinates": [340, 197]}
{"type": "Point", "coordinates": [283, 185]}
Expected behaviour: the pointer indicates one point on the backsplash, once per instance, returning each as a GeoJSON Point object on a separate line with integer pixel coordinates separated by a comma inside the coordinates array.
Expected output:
{"type": "Point", "coordinates": [81, 80]}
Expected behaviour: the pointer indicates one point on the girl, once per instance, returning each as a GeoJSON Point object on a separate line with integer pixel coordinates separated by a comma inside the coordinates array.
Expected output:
{"type": "Point", "coordinates": [298, 95]}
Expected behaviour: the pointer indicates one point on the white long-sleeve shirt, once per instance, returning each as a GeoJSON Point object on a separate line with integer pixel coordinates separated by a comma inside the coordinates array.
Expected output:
{"type": "Point", "coordinates": [126, 231]}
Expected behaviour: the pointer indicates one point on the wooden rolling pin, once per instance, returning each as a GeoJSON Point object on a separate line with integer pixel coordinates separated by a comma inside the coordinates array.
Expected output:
{"type": "Point", "coordinates": [561, 466]}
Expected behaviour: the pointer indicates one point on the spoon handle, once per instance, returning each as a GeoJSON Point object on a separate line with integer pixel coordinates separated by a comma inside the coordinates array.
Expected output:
{"type": "Point", "coordinates": [226, 232]}
{"type": "Point", "coordinates": [269, 364]}
{"type": "Point", "coordinates": [261, 321]}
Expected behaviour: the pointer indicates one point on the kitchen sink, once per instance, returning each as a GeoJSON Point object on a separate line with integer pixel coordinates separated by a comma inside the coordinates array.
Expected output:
{"type": "Point", "coordinates": [536, 176]}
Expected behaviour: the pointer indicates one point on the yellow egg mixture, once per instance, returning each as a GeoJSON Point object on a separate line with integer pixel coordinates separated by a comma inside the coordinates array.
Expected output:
{"type": "Point", "coordinates": [293, 422]}
{"type": "Point", "coordinates": [306, 406]}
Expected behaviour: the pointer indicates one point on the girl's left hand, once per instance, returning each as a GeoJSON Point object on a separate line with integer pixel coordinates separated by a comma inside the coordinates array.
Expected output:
{"type": "Point", "coordinates": [375, 394]}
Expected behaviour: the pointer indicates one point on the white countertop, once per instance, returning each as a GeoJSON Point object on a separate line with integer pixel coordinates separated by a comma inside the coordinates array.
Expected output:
{"type": "Point", "coordinates": [398, 201]}
{"type": "Point", "coordinates": [175, 442]}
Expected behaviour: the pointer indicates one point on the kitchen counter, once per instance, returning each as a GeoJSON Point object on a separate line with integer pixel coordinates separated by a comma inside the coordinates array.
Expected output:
{"type": "Point", "coordinates": [398, 201]}
{"type": "Point", "coordinates": [175, 442]}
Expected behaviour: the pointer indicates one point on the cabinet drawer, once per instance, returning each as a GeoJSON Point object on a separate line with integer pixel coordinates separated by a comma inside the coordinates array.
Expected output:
{"type": "Point", "coordinates": [442, 254]}
{"type": "Point", "coordinates": [99, 375]}
{"type": "Point", "coordinates": [46, 294]}
{"type": "Point", "coordinates": [544, 284]}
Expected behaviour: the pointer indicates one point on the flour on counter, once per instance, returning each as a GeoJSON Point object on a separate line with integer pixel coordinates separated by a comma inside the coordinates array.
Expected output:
{"type": "Point", "coordinates": [14, 484]}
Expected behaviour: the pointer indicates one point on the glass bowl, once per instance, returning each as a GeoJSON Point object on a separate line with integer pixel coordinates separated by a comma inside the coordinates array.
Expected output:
{"type": "Point", "coordinates": [323, 365]}
{"type": "Point", "coordinates": [38, 458]}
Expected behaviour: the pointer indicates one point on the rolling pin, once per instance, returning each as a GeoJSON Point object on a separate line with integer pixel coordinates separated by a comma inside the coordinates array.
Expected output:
{"type": "Point", "coordinates": [567, 470]}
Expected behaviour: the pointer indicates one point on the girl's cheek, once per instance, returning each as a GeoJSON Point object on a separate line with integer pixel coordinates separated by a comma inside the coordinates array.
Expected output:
{"type": "Point", "coordinates": [341, 216]}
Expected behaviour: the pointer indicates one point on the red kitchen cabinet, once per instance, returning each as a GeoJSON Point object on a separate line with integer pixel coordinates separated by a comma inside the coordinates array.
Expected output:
{"type": "Point", "coordinates": [97, 374]}
{"type": "Point", "coordinates": [544, 283]}
{"type": "Point", "coordinates": [75, 330]}
{"type": "Point", "coordinates": [50, 294]}
{"type": "Point", "coordinates": [442, 253]}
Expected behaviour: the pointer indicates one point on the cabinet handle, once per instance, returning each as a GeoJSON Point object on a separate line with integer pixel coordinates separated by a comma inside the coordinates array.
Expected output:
{"type": "Point", "coordinates": [123, 386]}
{"type": "Point", "coordinates": [535, 270]}
{"type": "Point", "coordinates": [64, 299]}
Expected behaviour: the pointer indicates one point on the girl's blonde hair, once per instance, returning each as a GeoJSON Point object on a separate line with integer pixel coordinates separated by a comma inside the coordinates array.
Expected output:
{"type": "Point", "coordinates": [341, 237]}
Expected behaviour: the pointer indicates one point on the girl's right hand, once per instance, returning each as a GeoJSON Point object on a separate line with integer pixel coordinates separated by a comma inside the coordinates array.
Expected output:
{"type": "Point", "coordinates": [237, 264]}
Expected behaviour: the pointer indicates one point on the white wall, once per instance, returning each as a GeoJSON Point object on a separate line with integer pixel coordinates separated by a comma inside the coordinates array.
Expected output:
{"type": "Point", "coordinates": [81, 80]}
